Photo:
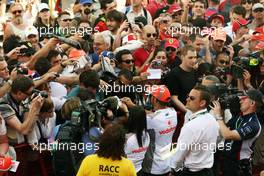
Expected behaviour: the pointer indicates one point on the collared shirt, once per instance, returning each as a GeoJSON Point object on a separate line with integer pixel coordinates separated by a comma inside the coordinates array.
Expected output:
{"type": "Point", "coordinates": [196, 143]}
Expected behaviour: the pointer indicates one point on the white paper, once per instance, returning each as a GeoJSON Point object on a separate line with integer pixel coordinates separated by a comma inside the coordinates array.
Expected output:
{"type": "Point", "coordinates": [14, 166]}
{"type": "Point", "coordinates": [154, 73]}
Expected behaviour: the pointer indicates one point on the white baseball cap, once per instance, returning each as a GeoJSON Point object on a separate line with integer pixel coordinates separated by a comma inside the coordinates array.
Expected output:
{"type": "Point", "coordinates": [31, 30]}
{"type": "Point", "coordinates": [42, 6]}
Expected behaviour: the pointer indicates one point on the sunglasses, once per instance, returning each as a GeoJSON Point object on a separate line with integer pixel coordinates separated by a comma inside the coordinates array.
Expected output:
{"type": "Point", "coordinates": [128, 61]}
{"type": "Point", "coordinates": [168, 49]}
{"type": "Point", "coordinates": [165, 21]}
{"type": "Point", "coordinates": [161, 57]}
{"type": "Point", "coordinates": [191, 97]}
{"type": "Point", "coordinates": [224, 62]}
{"type": "Point", "coordinates": [244, 2]}
{"type": "Point", "coordinates": [17, 11]}
{"type": "Point", "coordinates": [154, 35]}
{"type": "Point", "coordinates": [258, 10]}
{"type": "Point", "coordinates": [87, 5]}
{"type": "Point", "coordinates": [65, 20]}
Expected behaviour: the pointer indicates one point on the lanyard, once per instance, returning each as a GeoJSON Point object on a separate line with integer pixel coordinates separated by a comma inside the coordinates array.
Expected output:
{"type": "Point", "coordinates": [238, 124]}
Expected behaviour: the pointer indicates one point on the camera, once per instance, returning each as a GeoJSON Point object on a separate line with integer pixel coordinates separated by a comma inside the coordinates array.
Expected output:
{"type": "Point", "coordinates": [42, 93]}
{"type": "Point", "coordinates": [91, 111]}
{"type": "Point", "coordinates": [249, 63]}
{"type": "Point", "coordinates": [228, 97]}
{"type": "Point", "coordinates": [21, 70]}
{"type": "Point", "coordinates": [28, 51]}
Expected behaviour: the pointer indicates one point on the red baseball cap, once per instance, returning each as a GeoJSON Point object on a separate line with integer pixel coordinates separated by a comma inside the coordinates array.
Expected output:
{"type": "Point", "coordinates": [161, 92]}
{"type": "Point", "coordinates": [172, 42]}
{"type": "Point", "coordinates": [239, 23]}
{"type": "Point", "coordinates": [174, 8]}
{"type": "Point", "coordinates": [75, 54]}
{"type": "Point", "coordinates": [221, 17]}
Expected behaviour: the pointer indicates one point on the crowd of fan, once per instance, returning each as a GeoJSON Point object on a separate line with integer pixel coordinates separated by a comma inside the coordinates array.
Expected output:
{"type": "Point", "coordinates": [161, 58]}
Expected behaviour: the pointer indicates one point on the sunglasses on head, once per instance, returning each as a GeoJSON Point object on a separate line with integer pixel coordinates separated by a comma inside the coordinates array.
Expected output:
{"type": "Point", "coordinates": [154, 35]}
{"type": "Point", "coordinates": [65, 20]}
{"type": "Point", "coordinates": [17, 11]}
{"type": "Point", "coordinates": [128, 61]}
{"type": "Point", "coordinates": [191, 97]}
{"type": "Point", "coordinates": [170, 49]}
{"type": "Point", "coordinates": [224, 62]}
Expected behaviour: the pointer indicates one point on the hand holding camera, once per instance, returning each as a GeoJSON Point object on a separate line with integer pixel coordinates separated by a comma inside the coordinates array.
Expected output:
{"type": "Point", "coordinates": [36, 104]}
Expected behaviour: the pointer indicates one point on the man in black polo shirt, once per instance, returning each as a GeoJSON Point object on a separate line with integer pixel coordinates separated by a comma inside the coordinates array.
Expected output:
{"type": "Point", "coordinates": [240, 134]}
{"type": "Point", "coordinates": [183, 78]}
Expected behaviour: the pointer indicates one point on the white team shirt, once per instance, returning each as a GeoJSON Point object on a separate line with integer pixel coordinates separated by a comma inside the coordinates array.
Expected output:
{"type": "Point", "coordinates": [163, 122]}
{"type": "Point", "coordinates": [135, 153]}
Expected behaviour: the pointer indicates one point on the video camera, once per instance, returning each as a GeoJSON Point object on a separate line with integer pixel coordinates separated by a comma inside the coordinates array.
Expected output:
{"type": "Point", "coordinates": [228, 97]}
{"type": "Point", "coordinates": [249, 63]}
{"type": "Point", "coordinates": [91, 112]}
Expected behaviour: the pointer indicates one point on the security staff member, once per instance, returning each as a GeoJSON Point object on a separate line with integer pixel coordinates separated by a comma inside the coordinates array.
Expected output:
{"type": "Point", "coordinates": [240, 134]}
{"type": "Point", "coordinates": [197, 140]}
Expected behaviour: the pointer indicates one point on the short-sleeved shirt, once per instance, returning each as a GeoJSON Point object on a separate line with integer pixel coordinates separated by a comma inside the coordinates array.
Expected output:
{"type": "Point", "coordinates": [9, 108]}
{"type": "Point", "coordinates": [249, 128]}
{"type": "Point", "coordinates": [98, 166]}
{"type": "Point", "coordinates": [180, 82]}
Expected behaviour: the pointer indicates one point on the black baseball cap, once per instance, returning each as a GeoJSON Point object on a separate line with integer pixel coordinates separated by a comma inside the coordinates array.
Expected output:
{"type": "Point", "coordinates": [256, 96]}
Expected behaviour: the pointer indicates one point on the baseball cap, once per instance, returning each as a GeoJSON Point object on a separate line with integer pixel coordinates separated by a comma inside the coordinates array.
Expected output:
{"type": "Point", "coordinates": [161, 92]}
{"type": "Point", "coordinates": [75, 54]}
{"type": "Point", "coordinates": [219, 34]}
{"type": "Point", "coordinates": [31, 30]}
{"type": "Point", "coordinates": [141, 19]}
{"type": "Point", "coordinates": [43, 6]}
{"type": "Point", "coordinates": [217, 15]}
{"type": "Point", "coordinates": [174, 8]}
{"type": "Point", "coordinates": [255, 95]}
{"type": "Point", "coordinates": [86, 1]}
{"type": "Point", "coordinates": [257, 6]}
{"type": "Point", "coordinates": [128, 39]}
{"type": "Point", "coordinates": [239, 23]}
{"type": "Point", "coordinates": [172, 42]}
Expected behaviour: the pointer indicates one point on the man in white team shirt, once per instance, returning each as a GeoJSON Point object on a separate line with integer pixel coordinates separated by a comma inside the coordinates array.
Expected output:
{"type": "Point", "coordinates": [161, 124]}
{"type": "Point", "coordinates": [197, 140]}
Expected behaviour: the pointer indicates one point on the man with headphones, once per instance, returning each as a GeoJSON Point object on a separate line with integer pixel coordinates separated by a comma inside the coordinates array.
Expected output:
{"type": "Point", "coordinates": [240, 134]}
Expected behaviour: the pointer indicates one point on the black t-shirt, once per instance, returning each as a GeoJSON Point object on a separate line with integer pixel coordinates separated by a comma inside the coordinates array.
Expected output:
{"type": "Point", "coordinates": [181, 82]}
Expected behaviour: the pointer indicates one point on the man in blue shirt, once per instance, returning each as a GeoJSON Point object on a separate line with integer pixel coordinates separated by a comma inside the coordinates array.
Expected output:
{"type": "Point", "coordinates": [240, 134]}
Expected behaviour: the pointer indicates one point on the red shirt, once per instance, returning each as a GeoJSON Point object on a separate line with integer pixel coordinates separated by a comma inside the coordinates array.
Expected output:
{"type": "Point", "coordinates": [140, 56]}
{"type": "Point", "coordinates": [153, 6]}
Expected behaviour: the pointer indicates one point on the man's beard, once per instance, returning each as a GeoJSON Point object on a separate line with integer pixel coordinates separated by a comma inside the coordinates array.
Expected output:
{"type": "Point", "coordinates": [19, 19]}
{"type": "Point", "coordinates": [86, 11]}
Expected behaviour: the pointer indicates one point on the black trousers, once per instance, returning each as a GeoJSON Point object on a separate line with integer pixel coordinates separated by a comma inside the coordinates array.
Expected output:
{"type": "Point", "coordinates": [187, 172]}
{"type": "Point", "coordinates": [237, 168]}
{"type": "Point", "coordinates": [147, 174]}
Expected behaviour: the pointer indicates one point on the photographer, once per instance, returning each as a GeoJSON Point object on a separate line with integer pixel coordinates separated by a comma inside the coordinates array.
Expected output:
{"type": "Point", "coordinates": [240, 134]}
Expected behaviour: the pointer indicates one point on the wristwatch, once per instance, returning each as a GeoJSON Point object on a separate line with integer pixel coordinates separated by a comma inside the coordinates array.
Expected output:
{"type": "Point", "coordinates": [10, 82]}
{"type": "Point", "coordinates": [218, 117]}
